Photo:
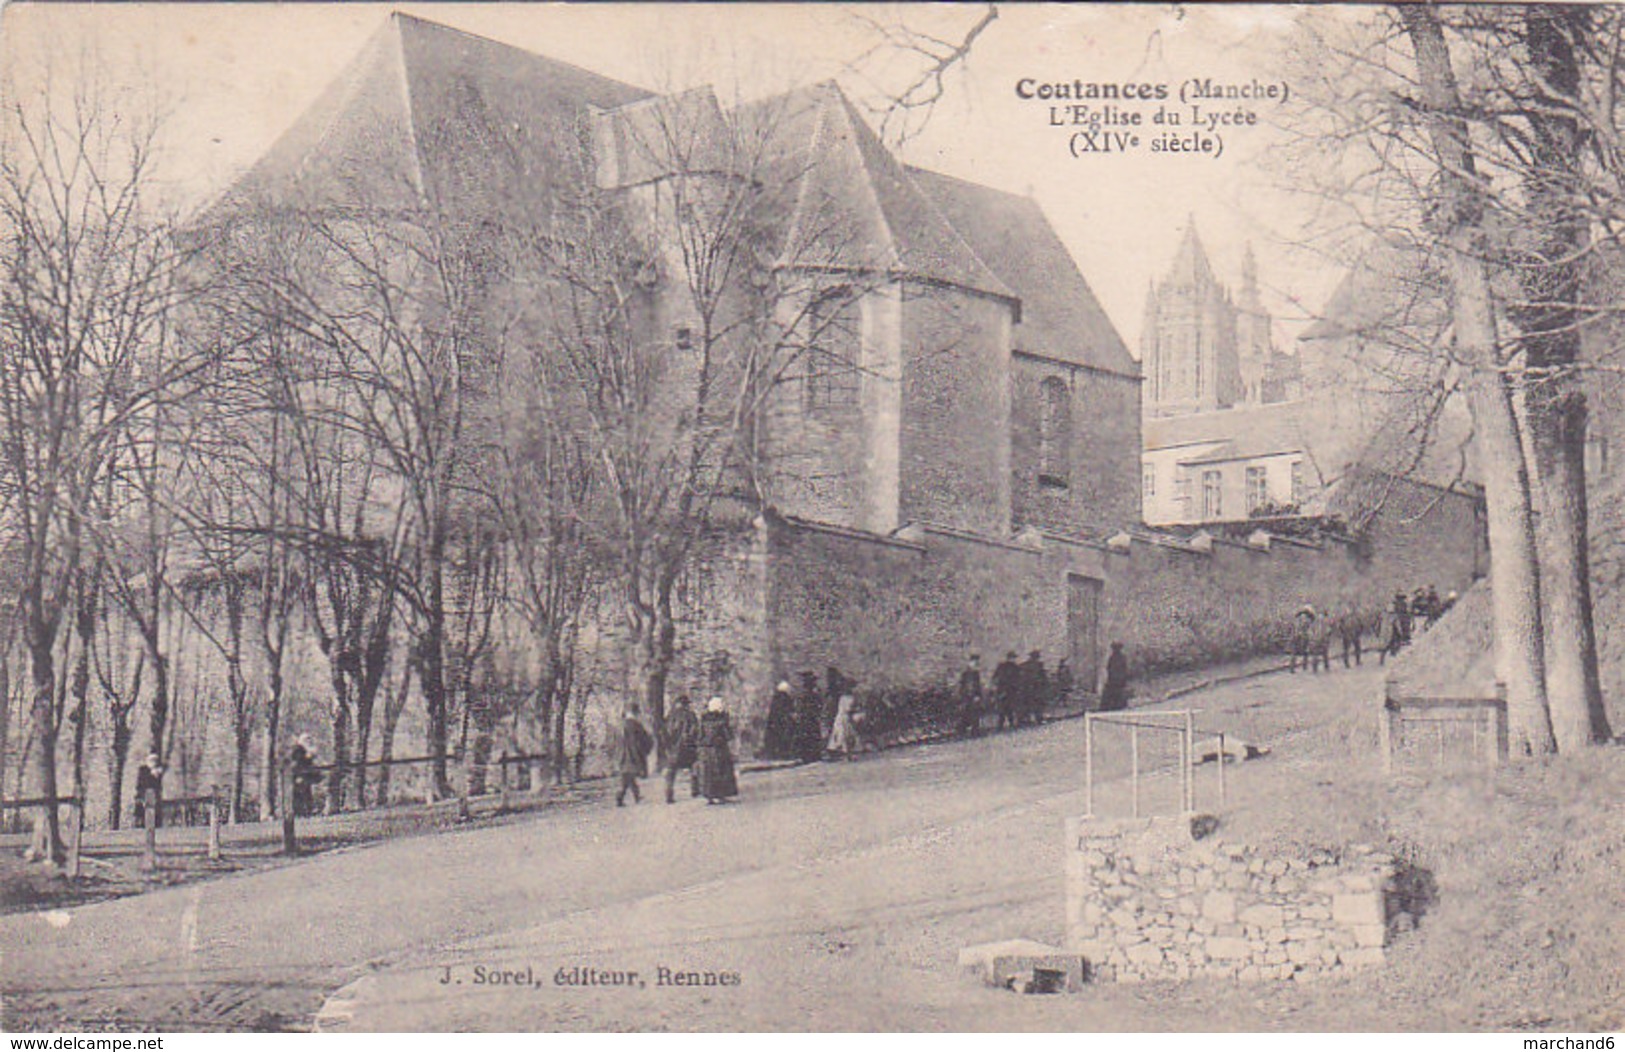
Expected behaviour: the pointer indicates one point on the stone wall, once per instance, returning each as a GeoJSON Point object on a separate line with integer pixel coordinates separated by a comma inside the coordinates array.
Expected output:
{"type": "Point", "coordinates": [1187, 602]}
{"type": "Point", "coordinates": [837, 462]}
{"type": "Point", "coordinates": [1102, 488]}
{"type": "Point", "coordinates": [904, 611]}
{"type": "Point", "coordinates": [1146, 900]}
{"type": "Point", "coordinates": [954, 461]}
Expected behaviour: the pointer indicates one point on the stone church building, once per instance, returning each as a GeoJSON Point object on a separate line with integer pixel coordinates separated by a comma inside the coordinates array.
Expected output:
{"type": "Point", "coordinates": [939, 479]}
{"type": "Point", "coordinates": [958, 470]}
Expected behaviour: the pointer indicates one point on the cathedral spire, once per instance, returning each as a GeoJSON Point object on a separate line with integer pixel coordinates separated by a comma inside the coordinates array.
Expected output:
{"type": "Point", "coordinates": [1191, 266]}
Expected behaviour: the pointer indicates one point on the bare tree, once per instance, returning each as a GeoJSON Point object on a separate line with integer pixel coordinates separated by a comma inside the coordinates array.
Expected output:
{"type": "Point", "coordinates": [676, 294]}
{"type": "Point", "coordinates": [542, 484]}
{"type": "Point", "coordinates": [91, 275]}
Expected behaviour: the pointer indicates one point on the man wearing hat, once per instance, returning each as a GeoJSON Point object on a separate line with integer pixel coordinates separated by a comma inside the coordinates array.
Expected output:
{"type": "Point", "coordinates": [1034, 689]}
{"type": "Point", "coordinates": [682, 747]}
{"type": "Point", "coordinates": [1007, 690]}
{"type": "Point", "coordinates": [970, 698]}
{"type": "Point", "coordinates": [149, 776]}
{"type": "Point", "coordinates": [632, 755]}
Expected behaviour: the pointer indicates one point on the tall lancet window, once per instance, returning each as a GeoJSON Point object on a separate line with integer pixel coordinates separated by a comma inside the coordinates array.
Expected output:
{"type": "Point", "coordinates": [834, 334]}
{"type": "Point", "coordinates": [1054, 434]}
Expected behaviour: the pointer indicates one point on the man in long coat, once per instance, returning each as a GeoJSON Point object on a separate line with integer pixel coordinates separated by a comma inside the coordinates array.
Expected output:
{"type": "Point", "coordinates": [150, 775]}
{"type": "Point", "coordinates": [1007, 690]}
{"type": "Point", "coordinates": [969, 698]}
{"type": "Point", "coordinates": [1034, 689]}
{"type": "Point", "coordinates": [632, 756]}
{"type": "Point", "coordinates": [682, 747]}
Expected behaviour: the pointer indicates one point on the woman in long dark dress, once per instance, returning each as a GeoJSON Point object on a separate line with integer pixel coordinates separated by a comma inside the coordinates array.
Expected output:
{"type": "Point", "coordinates": [716, 766]}
{"type": "Point", "coordinates": [1114, 692]}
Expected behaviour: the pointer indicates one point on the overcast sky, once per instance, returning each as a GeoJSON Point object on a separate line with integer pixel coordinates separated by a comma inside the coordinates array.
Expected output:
{"type": "Point", "coordinates": [232, 77]}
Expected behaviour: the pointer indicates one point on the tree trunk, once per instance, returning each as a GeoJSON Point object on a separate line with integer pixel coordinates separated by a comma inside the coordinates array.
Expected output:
{"type": "Point", "coordinates": [363, 742]}
{"type": "Point", "coordinates": [46, 842]}
{"type": "Point", "coordinates": [434, 671]}
{"type": "Point", "coordinates": [159, 716]}
{"type": "Point", "coordinates": [374, 664]}
{"type": "Point", "coordinates": [269, 767]}
{"type": "Point", "coordinates": [341, 743]}
{"type": "Point", "coordinates": [1555, 404]}
{"type": "Point", "coordinates": [79, 714]}
{"type": "Point", "coordinates": [393, 708]}
{"type": "Point", "coordinates": [118, 759]}
{"type": "Point", "coordinates": [1514, 573]}
{"type": "Point", "coordinates": [662, 652]}
{"type": "Point", "coordinates": [1573, 681]}
{"type": "Point", "coordinates": [239, 767]}
{"type": "Point", "coordinates": [5, 717]}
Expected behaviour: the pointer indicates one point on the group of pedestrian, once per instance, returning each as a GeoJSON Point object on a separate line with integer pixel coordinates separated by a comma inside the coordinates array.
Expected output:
{"type": "Point", "coordinates": [1408, 616]}
{"type": "Point", "coordinates": [815, 721]}
{"type": "Point", "coordinates": [1313, 632]}
{"type": "Point", "coordinates": [700, 744]}
{"type": "Point", "coordinates": [1393, 629]}
{"type": "Point", "coordinates": [1019, 693]}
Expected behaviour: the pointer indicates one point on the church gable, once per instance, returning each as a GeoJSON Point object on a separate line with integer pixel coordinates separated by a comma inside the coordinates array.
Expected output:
{"type": "Point", "coordinates": [1060, 316]}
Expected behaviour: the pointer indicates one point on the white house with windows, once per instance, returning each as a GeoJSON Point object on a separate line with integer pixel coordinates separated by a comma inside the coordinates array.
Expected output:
{"type": "Point", "coordinates": [1228, 465]}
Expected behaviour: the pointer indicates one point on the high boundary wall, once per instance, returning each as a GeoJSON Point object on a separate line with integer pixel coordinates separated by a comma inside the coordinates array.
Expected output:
{"type": "Point", "coordinates": [903, 611]}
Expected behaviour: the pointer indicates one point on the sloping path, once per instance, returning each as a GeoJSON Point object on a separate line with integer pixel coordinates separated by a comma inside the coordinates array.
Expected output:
{"type": "Point", "coordinates": [839, 889]}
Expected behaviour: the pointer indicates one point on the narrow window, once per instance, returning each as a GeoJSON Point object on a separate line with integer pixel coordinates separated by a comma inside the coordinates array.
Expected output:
{"type": "Point", "coordinates": [1212, 495]}
{"type": "Point", "coordinates": [1054, 434]}
{"type": "Point", "coordinates": [834, 333]}
{"type": "Point", "coordinates": [1258, 490]}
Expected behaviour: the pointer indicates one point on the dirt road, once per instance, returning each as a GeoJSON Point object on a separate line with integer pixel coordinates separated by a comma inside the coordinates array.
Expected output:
{"type": "Point", "coordinates": [831, 897]}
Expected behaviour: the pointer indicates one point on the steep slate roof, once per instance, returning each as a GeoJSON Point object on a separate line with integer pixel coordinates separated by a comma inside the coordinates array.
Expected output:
{"type": "Point", "coordinates": [856, 206]}
{"type": "Point", "coordinates": [1251, 431]}
{"type": "Point", "coordinates": [1060, 317]}
{"type": "Point", "coordinates": [656, 136]}
{"type": "Point", "coordinates": [429, 110]}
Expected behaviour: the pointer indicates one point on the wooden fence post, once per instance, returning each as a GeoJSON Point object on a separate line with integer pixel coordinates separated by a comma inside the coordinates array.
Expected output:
{"type": "Point", "coordinates": [214, 826]}
{"type": "Point", "coordinates": [76, 832]}
{"type": "Point", "coordinates": [1088, 764]}
{"type": "Point", "coordinates": [1501, 746]}
{"type": "Point", "coordinates": [149, 850]}
{"type": "Point", "coordinates": [1134, 766]}
{"type": "Point", "coordinates": [1385, 732]}
{"type": "Point", "coordinates": [290, 840]}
